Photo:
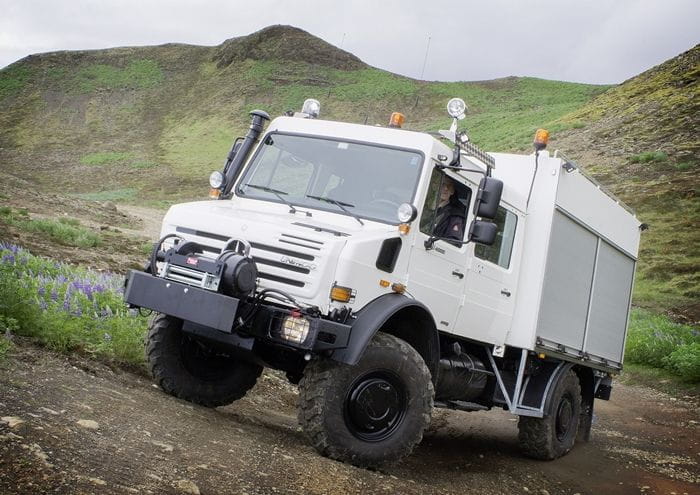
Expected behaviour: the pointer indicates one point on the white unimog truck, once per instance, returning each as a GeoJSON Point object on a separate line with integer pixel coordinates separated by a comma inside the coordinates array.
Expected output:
{"type": "Point", "coordinates": [321, 258]}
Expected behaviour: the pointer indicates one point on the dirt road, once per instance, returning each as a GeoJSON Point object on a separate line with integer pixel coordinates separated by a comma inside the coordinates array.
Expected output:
{"type": "Point", "coordinates": [71, 425]}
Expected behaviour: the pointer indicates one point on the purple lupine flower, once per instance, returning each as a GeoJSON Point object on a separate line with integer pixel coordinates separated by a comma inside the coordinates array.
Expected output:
{"type": "Point", "coordinates": [43, 305]}
{"type": "Point", "coordinates": [42, 291]}
{"type": "Point", "coordinates": [54, 295]}
{"type": "Point", "coordinates": [9, 259]}
{"type": "Point", "coordinates": [66, 304]}
{"type": "Point", "coordinates": [78, 312]}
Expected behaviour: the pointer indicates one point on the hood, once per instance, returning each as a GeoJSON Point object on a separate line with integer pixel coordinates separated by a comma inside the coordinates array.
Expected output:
{"type": "Point", "coordinates": [293, 252]}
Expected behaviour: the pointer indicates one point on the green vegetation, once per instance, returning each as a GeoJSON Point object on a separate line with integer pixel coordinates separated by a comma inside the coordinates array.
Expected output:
{"type": "Point", "coordinates": [104, 157]}
{"type": "Point", "coordinates": [67, 308]}
{"type": "Point", "coordinates": [138, 74]}
{"type": "Point", "coordinates": [649, 156]}
{"type": "Point", "coordinates": [125, 194]}
{"type": "Point", "coordinates": [8, 326]}
{"type": "Point", "coordinates": [140, 165]}
{"type": "Point", "coordinates": [654, 340]}
{"type": "Point", "coordinates": [66, 231]}
{"type": "Point", "coordinates": [13, 79]}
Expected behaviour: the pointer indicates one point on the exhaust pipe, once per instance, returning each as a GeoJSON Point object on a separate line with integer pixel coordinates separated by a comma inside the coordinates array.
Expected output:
{"type": "Point", "coordinates": [240, 151]}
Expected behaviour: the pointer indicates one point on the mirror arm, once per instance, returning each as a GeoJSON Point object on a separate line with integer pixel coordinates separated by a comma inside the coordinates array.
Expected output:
{"type": "Point", "coordinates": [430, 241]}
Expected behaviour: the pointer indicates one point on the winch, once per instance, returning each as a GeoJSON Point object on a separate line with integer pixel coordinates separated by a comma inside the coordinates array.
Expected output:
{"type": "Point", "coordinates": [233, 272]}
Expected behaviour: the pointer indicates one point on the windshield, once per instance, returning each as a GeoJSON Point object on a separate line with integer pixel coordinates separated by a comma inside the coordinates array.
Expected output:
{"type": "Point", "coordinates": [355, 179]}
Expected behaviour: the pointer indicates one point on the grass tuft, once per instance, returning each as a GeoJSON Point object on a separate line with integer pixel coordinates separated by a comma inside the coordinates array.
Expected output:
{"type": "Point", "coordinates": [649, 157]}
{"type": "Point", "coordinates": [654, 340]}
{"type": "Point", "coordinates": [125, 194]}
{"type": "Point", "coordinates": [66, 231]}
{"type": "Point", "coordinates": [104, 157]}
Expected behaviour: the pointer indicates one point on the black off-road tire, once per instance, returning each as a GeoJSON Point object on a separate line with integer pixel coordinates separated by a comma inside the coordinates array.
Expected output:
{"type": "Point", "coordinates": [554, 435]}
{"type": "Point", "coordinates": [337, 403]}
{"type": "Point", "coordinates": [184, 368]}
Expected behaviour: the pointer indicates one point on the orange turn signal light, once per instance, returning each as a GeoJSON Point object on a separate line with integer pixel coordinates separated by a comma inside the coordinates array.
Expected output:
{"type": "Point", "coordinates": [341, 294]}
{"type": "Point", "coordinates": [384, 283]}
{"type": "Point", "coordinates": [541, 139]}
{"type": "Point", "coordinates": [404, 228]}
{"type": "Point", "coordinates": [214, 193]}
{"type": "Point", "coordinates": [397, 119]}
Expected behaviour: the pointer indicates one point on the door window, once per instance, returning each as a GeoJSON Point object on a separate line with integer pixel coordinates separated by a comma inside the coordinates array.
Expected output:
{"type": "Point", "coordinates": [445, 208]}
{"type": "Point", "coordinates": [500, 252]}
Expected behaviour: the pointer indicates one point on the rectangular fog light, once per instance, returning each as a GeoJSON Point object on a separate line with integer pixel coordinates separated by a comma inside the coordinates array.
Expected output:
{"type": "Point", "coordinates": [294, 329]}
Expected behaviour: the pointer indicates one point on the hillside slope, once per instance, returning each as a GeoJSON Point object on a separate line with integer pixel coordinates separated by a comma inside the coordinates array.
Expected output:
{"type": "Point", "coordinates": [149, 123]}
{"type": "Point", "coordinates": [146, 125]}
{"type": "Point", "coordinates": [641, 140]}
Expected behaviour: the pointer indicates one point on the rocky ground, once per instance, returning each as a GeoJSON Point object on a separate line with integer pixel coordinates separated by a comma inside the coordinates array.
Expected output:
{"type": "Point", "coordinates": [71, 425]}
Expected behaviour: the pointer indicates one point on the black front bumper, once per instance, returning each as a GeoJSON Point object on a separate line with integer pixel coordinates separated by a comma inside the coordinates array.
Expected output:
{"type": "Point", "coordinates": [215, 314]}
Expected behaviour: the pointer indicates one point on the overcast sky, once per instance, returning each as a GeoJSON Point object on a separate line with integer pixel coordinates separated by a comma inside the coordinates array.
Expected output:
{"type": "Point", "coordinates": [589, 41]}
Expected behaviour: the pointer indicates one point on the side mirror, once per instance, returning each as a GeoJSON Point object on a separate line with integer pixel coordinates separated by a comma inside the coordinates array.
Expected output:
{"type": "Point", "coordinates": [482, 232]}
{"type": "Point", "coordinates": [488, 198]}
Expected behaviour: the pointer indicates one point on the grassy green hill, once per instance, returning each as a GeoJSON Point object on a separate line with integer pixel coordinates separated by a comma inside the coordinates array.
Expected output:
{"type": "Point", "coordinates": [641, 140]}
{"type": "Point", "coordinates": [146, 126]}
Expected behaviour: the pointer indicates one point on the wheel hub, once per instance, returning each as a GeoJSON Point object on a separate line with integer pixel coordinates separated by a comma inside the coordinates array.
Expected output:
{"type": "Point", "coordinates": [375, 406]}
{"type": "Point", "coordinates": [564, 417]}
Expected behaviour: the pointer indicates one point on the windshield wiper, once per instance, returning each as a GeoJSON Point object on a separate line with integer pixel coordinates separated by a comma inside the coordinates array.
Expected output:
{"type": "Point", "coordinates": [339, 204]}
{"type": "Point", "coordinates": [277, 193]}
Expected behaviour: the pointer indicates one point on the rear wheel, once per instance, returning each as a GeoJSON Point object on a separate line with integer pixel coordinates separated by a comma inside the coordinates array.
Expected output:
{"type": "Point", "coordinates": [554, 435]}
{"type": "Point", "coordinates": [370, 414]}
{"type": "Point", "coordinates": [190, 370]}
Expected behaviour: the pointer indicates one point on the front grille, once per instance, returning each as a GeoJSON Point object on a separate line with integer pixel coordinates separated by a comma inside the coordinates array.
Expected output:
{"type": "Point", "coordinates": [288, 260]}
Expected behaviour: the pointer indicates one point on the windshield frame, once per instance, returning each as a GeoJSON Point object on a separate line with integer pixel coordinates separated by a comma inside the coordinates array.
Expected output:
{"type": "Point", "coordinates": [320, 205]}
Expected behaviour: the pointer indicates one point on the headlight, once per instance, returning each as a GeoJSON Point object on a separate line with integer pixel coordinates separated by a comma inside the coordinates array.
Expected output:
{"type": "Point", "coordinates": [406, 213]}
{"type": "Point", "coordinates": [216, 179]}
{"type": "Point", "coordinates": [294, 329]}
{"type": "Point", "coordinates": [456, 108]}
{"type": "Point", "coordinates": [311, 107]}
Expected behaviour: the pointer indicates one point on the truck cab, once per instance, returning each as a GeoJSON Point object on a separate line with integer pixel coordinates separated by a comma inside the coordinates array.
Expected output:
{"type": "Point", "coordinates": [388, 272]}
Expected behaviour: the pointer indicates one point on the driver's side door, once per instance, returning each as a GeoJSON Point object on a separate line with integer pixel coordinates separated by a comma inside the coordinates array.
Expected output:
{"type": "Point", "coordinates": [437, 275]}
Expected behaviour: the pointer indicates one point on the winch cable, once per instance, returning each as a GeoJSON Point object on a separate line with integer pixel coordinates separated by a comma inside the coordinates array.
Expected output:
{"type": "Point", "coordinates": [154, 253]}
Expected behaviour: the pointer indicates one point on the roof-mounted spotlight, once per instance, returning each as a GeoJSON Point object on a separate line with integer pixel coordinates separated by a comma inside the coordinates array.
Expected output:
{"type": "Point", "coordinates": [311, 108]}
{"type": "Point", "coordinates": [456, 108]}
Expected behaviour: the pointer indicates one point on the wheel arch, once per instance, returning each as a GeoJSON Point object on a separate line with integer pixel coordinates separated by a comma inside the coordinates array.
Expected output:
{"type": "Point", "coordinates": [400, 316]}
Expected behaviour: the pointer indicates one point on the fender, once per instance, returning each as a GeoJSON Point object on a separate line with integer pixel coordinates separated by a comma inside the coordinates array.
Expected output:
{"type": "Point", "coordinates": [423, 334]}
{"type": "Point", "coordinates": [559, 372]}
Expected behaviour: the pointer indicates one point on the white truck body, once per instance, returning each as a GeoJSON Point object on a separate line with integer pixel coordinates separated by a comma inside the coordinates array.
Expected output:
{"type": "Point", "coordinates": [566, 290]}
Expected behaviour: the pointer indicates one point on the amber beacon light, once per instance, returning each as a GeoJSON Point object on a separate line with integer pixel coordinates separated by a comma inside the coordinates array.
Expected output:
{"type": "Point", "coordinates": [541, 139]}
{"type": "Point", "coordinates": [397, 119]}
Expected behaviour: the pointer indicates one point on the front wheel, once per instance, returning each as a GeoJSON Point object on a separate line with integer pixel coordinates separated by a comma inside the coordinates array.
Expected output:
{"type": "Point", "coordinates": [370, 414]}
{"type": "Point", "coordinates": [188, 369]}
{"type": "Point", "coordinates": [554, 435]}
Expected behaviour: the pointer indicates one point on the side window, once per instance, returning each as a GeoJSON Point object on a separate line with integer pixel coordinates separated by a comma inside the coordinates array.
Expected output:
{"type": "Point", "coordinates": [445, 209]}
{"type": "Point", "coordinates": [500, 252]}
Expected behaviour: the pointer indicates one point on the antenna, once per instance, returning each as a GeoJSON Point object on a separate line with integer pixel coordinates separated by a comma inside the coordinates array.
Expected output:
{"type": "Point", "coordinates": [342, 42]}
{"type": "Point", "coordinates": [425, 60]}
{"type": "Point", "coordinates": [422, 72]}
